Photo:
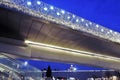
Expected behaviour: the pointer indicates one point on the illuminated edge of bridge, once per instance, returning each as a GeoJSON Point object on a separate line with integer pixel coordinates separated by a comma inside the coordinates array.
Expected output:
{"type": "Point", "coordinates": [50, 13]}
{"type": "Point", "coordinates": [72, 51]}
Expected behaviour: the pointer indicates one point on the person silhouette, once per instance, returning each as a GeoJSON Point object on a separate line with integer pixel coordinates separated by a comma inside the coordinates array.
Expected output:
{"type": "Point", "coordinates": [49, 73]}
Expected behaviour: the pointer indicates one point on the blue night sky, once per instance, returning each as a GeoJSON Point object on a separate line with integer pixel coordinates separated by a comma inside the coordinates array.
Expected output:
{"type": "Point", "coordinates": [103, 12]}
{"type": "Point", "coordinates": [58, 65]}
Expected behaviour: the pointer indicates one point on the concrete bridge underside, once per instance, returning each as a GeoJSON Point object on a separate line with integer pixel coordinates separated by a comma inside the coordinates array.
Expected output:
{"type": "Point", "coordinates": [16, 28]}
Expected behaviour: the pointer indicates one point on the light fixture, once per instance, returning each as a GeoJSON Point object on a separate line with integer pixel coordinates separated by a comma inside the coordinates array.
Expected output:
{"type": "Point", "coordinates": [45, 8]}
{"type": "Point", "coordinates": [63, 12]}
{"type": "Point", "coordinates": [29, 3]}
{"type": "Point", "coordinates": [77, 20]}
{"type": "Point", "coordinates": [73, 16]}
{"type": "Point", "coordinates": [51, 7]}
{"type": "Point", "coordinates": [71, 78]}
{"type": "Point", "coordinates": [74, 69]}
{"type": "Point", "coordinates": [82, 20]}
{"type": "Point", "coordinates": [68, 17]}
{"type": "Point", "coordinates": [111, 31]}
{"type": "Point", "coordinates": [55, 47]}
{"type": "Point", "coordinates": [97, 25]}
{"type": "Point", "coordinates": [58, 13]}
{"type": "Point", "coordinates": [71, 65]}
{"type": "Point", "coordinates": [102, 30]}
{"type": "Point", "coordinates": [115, 32]}
{"type": "Point", "coordinates": [38, 2]}
{"type": "Point", "coordinates": [25, 63]}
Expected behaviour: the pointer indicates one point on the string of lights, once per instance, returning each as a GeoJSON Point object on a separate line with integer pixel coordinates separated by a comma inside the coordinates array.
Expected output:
{"type": "Point", "coordinates": [50, 13]}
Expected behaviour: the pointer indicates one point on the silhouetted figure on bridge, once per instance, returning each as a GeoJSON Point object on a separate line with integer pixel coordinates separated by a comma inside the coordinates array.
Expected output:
{"type": "Point", "coordinates": [49, 73]}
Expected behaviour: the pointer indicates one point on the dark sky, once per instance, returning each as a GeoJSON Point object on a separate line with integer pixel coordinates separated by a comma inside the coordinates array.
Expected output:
{"type": "Point", "coordinates": [103, 12]}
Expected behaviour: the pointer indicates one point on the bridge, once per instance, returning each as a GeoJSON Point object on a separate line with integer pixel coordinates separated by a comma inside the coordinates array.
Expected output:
{"type": "Point", "coordinates": [37, 30]}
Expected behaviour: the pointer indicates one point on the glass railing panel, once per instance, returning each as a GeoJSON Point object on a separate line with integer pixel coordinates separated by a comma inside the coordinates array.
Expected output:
{"type": "Point", "coordinates": [17, 67]}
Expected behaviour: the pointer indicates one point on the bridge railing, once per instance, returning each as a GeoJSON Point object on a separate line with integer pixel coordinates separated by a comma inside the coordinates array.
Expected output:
{"type": "Point", "coordinates": [83, 74]}
{"type": "Point", "coordinates": [50, 13]}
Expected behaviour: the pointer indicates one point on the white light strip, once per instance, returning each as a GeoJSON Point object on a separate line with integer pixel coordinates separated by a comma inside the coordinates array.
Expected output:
{"type": "Point", "coordinates": [105, 57]}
